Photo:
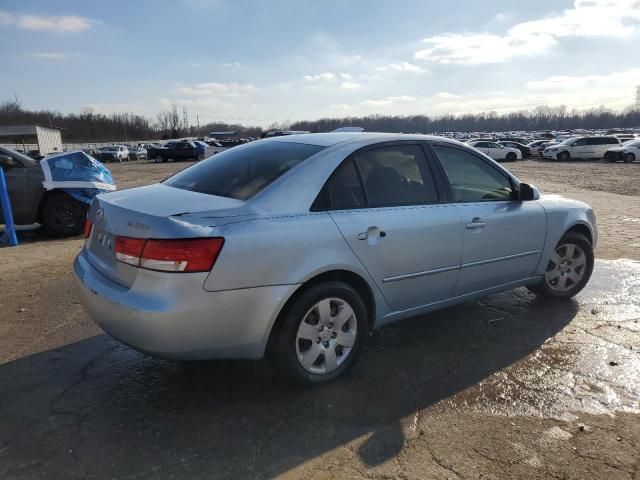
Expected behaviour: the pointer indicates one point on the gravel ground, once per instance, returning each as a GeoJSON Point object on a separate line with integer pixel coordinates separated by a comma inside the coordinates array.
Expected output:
{"type": "Point", "coordinates": [507, 387]}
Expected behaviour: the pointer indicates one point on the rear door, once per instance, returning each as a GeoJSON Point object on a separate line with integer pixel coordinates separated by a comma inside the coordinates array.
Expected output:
{"type": "Point", "coordinates": [496, 151]}
{"type": "Point", "coordinates": [390, 208]}
{"type": "Point", "coordinates": [604, 144]}
{"type": "Point", "coordinates": [482, 146]}
{"type": "Point", "coordinates": [503, 237]}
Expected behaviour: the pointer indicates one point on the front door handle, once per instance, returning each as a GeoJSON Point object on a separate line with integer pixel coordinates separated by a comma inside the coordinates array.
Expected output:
{"type": "Point", "coordinates": [475, 223]}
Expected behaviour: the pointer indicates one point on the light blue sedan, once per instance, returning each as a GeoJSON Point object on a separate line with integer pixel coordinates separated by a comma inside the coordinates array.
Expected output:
{"type": "Point", "coordinates": [297, 246]}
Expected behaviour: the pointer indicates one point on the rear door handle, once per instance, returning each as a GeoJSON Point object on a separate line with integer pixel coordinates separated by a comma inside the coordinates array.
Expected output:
{"type": "Point", "coordinates": [372, 233]}
{"type": "Point", "coordinates": [475, 223]}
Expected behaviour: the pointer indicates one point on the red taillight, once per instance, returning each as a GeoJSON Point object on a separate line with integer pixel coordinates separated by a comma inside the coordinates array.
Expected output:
{"type": "Point", "coordinates": [129, 250]}
{"type": "Point", "coordinates": [188, 255]}
{"type": "Point", "coordinates": [87, 228]}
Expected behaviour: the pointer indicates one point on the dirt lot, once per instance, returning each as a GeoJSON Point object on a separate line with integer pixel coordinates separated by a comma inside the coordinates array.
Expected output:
{"type": "Point", "coordinates": [506, 387]}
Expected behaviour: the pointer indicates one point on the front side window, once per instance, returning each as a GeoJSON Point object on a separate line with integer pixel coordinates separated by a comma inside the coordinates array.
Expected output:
{"type": "Point", "coordinates": [241, 172]}
{"type": "Point", "coordinates": [396, 175]}
{"type": "Point", "coordinates": [471, 178]}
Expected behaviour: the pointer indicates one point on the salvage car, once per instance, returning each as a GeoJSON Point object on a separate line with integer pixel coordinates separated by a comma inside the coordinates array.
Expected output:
{"type": "Point", "coordinates": [176, 151]}
{"type": "Point", "coordinates": [297, 246]}
{"type": "Point", "coordinates": [538, 146]}
{"type": "Point", "coordinates": [114, 153]}
{"type": "Point", "coordinates": [580, 148]}
{"type": "Point", "coordinates": [137, 152]}
{"type": "Point", "coordinates": [524, 150]}
{"type": "Point", "coordinates": [497, 151]}
{"type": "Point", "coordinates": [55, 191]}
{"type": "Point", "coordinates": [628, 152]}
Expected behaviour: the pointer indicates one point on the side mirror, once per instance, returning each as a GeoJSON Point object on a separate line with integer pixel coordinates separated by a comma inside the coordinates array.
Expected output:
{"type": "Point", "coordinates": [528, 192]}
{"type": "Point", "coordinates": [7, 162]}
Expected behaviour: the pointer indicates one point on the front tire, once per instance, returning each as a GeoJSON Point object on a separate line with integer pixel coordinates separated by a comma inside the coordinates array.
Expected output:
{"type": "Point", "coordinates": [511, 157]}
{"type": "Point", "coordinates": [63, 216]}
{"type": "Point", "coordinates": [629, 157]}
{"type": "Point", "coordinates": [321, 334]}
{"type": "Point", "coordinates": [158, 159]}
{"type": "Point", "coordinates": [564, 157]}
{"type": "Point", "coordinates": [569, 268]}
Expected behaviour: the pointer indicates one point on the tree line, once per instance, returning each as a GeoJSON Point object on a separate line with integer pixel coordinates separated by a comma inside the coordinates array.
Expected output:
{"type": "Point", "coordinates": [541, 118]}
{"type": "Point", "coordinates": [89, 126]}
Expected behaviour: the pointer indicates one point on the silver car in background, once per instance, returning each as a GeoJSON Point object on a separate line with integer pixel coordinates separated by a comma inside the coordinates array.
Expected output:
{"type": "Point", "coordinates": [297, 246]}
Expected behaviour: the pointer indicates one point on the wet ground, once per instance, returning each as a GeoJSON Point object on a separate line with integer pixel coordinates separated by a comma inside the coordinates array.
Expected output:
{"type": "Point", "coordinates": [509, 386]}
{"type": "Point", "coordinates": [506, 387]}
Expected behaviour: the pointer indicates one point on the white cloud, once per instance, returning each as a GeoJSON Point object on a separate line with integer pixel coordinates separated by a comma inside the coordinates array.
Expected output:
{"type": "Point", "coordinates": [50, 55]}
{"type": "Point", "coordinates": [446, 95]}
{"type": "Point", "coordinates": [232, 64]}
{"type": "Point", "coordinates": [387, 101]}
{"type": "Point", "coordinates": [48, 23]}
{"type": "Point", "coordinates": [613, 83]}
{"type": "Point", "coordinates": [320, 77]}
{"type": "Point", "coordinates": [218, 90]}
{"type": "Point", "coordinates": [402, 67]}
{"type": "Point", "coordinates": [587, 18]}
{"type": "Point", "coordinates": [350, 85]}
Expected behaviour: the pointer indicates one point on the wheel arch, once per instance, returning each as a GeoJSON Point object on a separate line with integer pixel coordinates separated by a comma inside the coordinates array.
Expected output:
{"type": "Point", "coordinates": [45, 198]}
{"type": "Point", "coordinates": [582, 229]}
{"type": "Point", "coordinates": [355, 280]}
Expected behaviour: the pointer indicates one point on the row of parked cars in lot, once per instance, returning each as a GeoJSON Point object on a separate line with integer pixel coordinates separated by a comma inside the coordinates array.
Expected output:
{"type": "Point", "coordinates": [609, 148]}
{"type": "Point", "coordinates": [172, 150]}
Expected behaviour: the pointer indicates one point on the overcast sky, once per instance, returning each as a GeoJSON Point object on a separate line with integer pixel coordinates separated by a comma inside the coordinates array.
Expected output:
{"type": "Point", "coordinates": [257, 62]}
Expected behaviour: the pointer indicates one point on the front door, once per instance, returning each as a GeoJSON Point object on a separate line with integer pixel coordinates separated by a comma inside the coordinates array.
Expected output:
{"type": "Point", "coordinates": [582, 148]}
{"type": "Point", "coordinates": [409, 242]}
{"type": "Point", "coordinates": [503, 237]}
{"type": "Point", "coordinates": [16, 187]}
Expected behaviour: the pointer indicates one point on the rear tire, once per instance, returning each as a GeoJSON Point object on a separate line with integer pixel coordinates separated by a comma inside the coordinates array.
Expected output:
{"type": "Point", "coordinates": [158, 159]}
{"type": "Point", "coordinates": [511, 157]}
{"type": "Point", "coordinates": [321, 334]}
{"type": "Point", "coordinates": [63, 216]}
{"type": "Point", "coordinates": [569, 268]}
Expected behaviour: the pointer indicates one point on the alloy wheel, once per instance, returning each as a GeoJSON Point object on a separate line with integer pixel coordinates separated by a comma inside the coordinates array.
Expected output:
{"type": "Point", "coordinates": [566, 268]}
{"type": "Point", "coordinates": [326, 336]}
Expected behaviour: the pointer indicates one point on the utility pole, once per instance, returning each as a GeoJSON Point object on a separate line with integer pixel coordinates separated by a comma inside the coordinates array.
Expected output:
{"type": "Point", "coordinates": [185, 120]}
{"type": "Point", "coordinates": [198, 120]}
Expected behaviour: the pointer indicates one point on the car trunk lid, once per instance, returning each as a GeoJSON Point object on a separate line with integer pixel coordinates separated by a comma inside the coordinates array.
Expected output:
{"type": "Point", "coordinates": [158, 212]}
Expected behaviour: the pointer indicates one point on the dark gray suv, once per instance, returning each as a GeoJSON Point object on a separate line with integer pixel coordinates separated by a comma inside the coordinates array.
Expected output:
{"type": "Point", "coordinates": [58, 212]}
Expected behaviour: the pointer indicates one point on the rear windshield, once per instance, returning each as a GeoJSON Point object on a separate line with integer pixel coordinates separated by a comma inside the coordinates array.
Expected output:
{"type": "Point", "coordinates": [241, 172]}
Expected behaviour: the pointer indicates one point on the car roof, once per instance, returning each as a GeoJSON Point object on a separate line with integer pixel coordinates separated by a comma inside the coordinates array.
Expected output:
{"type": "Point", "coordinates": [330, 139]}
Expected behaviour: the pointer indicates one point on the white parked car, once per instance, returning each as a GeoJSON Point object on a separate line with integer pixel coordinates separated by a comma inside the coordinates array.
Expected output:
{"type": "Point", "coordinates": [114, 153]}
{"type": "Point", "coordinates": [627, 152]}
{"type": "Point", "coordinates": [497, 151]}
{"type": "Point", "coordinates": [581, 147]}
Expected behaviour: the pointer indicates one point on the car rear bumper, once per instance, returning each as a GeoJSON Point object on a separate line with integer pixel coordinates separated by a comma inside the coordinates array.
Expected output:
{"type": "Point", "coordinates": [172, 316]}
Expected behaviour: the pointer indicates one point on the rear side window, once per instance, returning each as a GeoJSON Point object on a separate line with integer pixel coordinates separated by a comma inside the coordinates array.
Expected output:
{"type": "Point", "coordinates": [345, 189]}
{"type": "Point", "coordinates": [396, 175]}
{"type": "Point", "coordinates": [241, 172]}
{"type": "Point", "coordinates": [471, 178]}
